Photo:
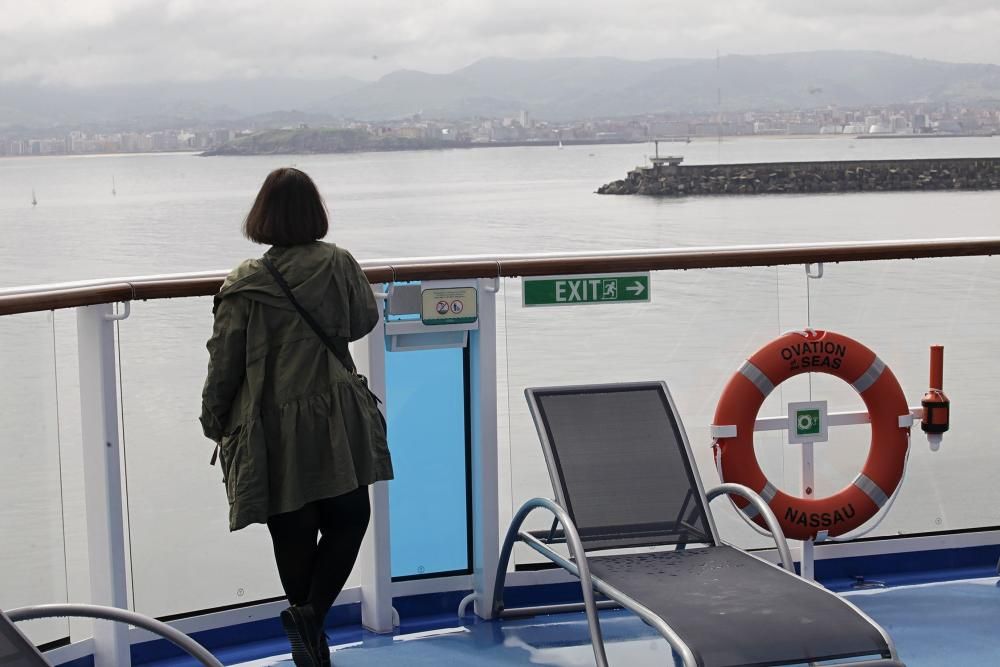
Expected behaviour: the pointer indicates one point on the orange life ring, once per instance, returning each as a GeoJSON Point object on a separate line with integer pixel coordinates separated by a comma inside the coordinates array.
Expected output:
{"type": "Point", "coordinates": [815, 352]}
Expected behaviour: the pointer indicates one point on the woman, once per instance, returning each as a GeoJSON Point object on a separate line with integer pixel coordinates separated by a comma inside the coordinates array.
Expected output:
{"type": "Point", "coordinates": [299, 437]}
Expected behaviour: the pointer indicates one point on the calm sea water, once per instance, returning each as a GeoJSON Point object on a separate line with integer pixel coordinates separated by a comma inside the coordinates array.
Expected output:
{"type": "Point", "coordinates": [182, 212]}
{"type": "Point", "coordinates": [175, 213]}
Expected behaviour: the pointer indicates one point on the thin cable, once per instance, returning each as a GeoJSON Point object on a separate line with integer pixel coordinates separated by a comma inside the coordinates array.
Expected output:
{"type": "Point", "coordinates": [781, 391]}
{"type": "Point", "coordinates": [62, 495]}
{"type": "Point", "coordinates": [128, 504]}
{"type": "Point", "coordinates": [809, 324]}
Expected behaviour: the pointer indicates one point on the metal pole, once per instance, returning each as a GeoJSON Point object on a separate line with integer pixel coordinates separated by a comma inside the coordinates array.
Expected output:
{"type": "Point", "coordinates": [808, 490]}
{"type": "Point", "coordinates": [102, 475]}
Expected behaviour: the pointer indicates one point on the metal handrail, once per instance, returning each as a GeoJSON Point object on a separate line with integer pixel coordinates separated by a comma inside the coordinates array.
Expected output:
{"type": "Point", "coordinates": [72, 295]}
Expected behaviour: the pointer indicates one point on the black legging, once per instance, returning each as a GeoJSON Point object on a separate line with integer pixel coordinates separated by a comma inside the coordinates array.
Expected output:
{"type": "Point", "coordinates": [313, 573]}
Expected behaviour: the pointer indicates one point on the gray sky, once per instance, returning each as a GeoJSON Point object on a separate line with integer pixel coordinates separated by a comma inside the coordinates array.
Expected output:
{"type": "Point", "coordinates": [86, 42]}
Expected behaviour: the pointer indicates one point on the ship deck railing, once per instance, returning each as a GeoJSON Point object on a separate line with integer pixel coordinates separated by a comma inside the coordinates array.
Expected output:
{"type": "Point", "coordinates": [117, 504]}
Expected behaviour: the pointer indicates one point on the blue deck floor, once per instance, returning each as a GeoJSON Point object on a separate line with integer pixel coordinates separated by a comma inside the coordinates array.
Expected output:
{"type": "Point", "coordinates": [952, 624]}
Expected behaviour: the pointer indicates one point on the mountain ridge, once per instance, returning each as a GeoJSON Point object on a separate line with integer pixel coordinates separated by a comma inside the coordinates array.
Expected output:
{"type": "Point", "coordinates": [555, 89]}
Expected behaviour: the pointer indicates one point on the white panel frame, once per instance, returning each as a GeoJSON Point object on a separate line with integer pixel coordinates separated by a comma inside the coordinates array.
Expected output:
{"type": "Point", "coordinates": [375, 559]}
{"type": "Point", "coordinates": [485, 451]}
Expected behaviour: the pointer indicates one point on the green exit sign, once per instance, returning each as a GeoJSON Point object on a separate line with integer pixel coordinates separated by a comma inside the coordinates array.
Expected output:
{"type": "Point", "coordinates": [590, 289]}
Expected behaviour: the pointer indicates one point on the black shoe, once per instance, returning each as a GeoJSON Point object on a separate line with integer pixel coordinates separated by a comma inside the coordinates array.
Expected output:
{"type": "Point", "coordinates": [300, 626]}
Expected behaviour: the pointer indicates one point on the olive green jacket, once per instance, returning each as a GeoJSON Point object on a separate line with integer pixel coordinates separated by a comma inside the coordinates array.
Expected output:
{"type": "Point", "coordinates": [292, 423]}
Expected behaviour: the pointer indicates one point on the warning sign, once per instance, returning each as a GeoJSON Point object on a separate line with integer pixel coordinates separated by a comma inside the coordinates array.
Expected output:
{"type": "Point", "coordinates": [449, 305]}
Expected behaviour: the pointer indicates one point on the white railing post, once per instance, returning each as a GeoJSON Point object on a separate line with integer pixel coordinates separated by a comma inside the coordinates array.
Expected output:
{"type": "Point", "coordinates": [102, 474]}
{"type": "Point", "coordinates": [485, 462]}
{"type": "Point", "coordinates": [375, 559]}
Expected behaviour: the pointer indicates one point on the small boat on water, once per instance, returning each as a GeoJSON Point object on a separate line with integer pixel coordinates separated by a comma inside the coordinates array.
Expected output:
{"type": "Point", "coordinates": [34, 199]}
{"type": "Point", "coordinates": [114, 192]}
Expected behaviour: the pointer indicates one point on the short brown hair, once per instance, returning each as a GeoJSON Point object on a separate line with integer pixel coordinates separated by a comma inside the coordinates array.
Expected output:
{"type": "Point", "coordinates": [288, 210]}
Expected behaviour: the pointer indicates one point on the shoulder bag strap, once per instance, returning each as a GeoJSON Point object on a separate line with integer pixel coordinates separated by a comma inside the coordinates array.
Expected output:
{"type": "Point", "coordinates": [337, 346]}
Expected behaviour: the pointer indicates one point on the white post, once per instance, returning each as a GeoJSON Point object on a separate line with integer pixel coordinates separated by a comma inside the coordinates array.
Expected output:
{"type": "Point", "coordinates": [808, 491]}
{"type": "Point", "coordinates": [102, 477]}
{"type": "Point", "coordinates": [485, 488]}
{"type": "Point", "coordinates": [375, 559]}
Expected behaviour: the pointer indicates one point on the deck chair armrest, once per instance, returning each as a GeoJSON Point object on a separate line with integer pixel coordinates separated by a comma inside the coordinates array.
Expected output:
{"type": "Point", "coordinates": [784, 553]}
{"type": "Point", "coordinates": [578, 566]}
{"type": "Point", "coordinates": [178, 638]}
{"type": "Point", "coordinates": [566, 534]}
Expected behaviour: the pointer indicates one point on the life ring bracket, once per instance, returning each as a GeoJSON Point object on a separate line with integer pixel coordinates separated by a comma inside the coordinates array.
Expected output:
{"type": "Point", "coordinates": [833, 419]}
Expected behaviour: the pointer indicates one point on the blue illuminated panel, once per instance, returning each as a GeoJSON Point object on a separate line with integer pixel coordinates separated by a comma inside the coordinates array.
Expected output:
{"type": "Point", "coordinates": [427, 437]}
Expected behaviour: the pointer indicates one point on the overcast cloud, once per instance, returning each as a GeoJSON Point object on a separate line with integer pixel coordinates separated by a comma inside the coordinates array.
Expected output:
{"type": "Point", "coordinates": [88, 42]}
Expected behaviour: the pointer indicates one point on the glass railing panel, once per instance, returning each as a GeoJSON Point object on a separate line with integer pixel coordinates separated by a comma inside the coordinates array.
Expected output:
{"type": "Point", "coordinates": [183, 556]}
{"type": "Point", "coordinates": [898, 309]}
{"type": "Point", "coordinates": [32, 525]}
{"type": "Point", "coordinates": [694, 334]}
{"type": "Point", "coordinates": [426, 394]}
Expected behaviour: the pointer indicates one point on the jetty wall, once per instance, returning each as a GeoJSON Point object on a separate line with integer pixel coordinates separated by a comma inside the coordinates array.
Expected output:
{"type": "Point", "coordinates": [805, 177]}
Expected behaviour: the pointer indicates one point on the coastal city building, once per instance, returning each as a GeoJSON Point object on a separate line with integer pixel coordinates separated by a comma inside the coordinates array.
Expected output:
{"type": "Point", "coordinates": [525, 128]}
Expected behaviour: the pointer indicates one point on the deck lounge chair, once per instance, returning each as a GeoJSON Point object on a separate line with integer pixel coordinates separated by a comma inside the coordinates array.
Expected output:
{"type": "Point", "coordinates": [624, 478]}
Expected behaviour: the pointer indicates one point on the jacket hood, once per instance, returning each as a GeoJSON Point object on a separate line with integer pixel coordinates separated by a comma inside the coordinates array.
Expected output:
{"type": "Point", "coordinates": [309, 269]}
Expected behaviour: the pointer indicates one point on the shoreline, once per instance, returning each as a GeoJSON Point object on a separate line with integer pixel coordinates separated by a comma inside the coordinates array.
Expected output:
{"type": "Point", "coordinates": [547, 143]}
{"type": "Point", "coordinates": [187, 151]}
{"type": "Point", "coordinates": [439, 146]}
{"type": "Point", "coordinates": [925, 136]}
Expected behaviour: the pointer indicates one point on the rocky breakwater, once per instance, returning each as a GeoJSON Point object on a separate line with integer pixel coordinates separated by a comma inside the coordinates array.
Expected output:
{"type": "Point", "coordinates": [674, 180]}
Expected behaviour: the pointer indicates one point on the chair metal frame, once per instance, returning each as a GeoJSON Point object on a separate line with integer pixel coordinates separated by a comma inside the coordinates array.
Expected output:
{"type": "Point", "coordinates": [577, 565]}
{"type": "Point", "coordinates": [178, 638]}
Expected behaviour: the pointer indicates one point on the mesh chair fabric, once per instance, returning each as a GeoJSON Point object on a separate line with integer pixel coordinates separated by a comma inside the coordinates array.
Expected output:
{"type": "Point", "coordinates": [621, 466]}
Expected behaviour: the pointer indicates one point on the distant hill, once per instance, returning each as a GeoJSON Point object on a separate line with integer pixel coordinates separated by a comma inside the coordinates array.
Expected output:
{"type": "Point", "coordinates": [576, 88]}
{"type": "Point", "coordinates": [558, 87]}
{"type": "Point", "coordinates": [152, 105]}
{"type": "Point", "coordinates": [552, 89]}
